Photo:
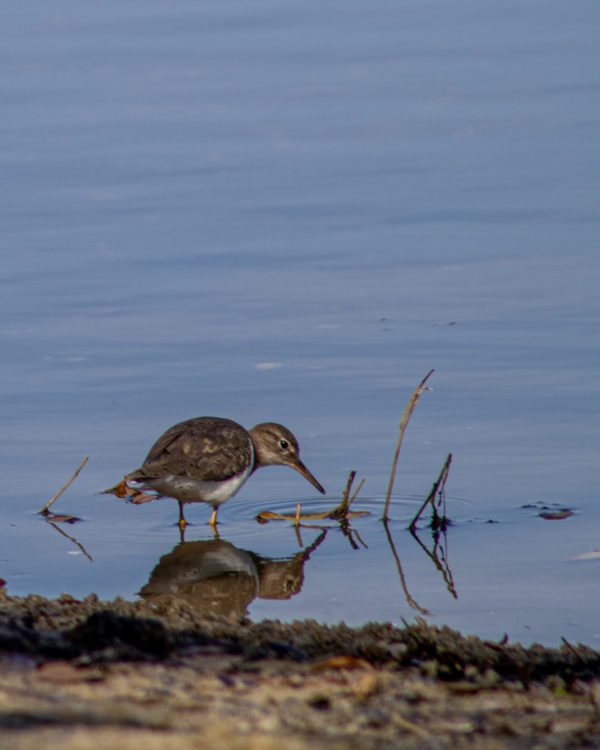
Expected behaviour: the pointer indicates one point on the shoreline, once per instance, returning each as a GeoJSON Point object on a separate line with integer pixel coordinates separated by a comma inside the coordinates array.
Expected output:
{"type": "Point", "coordinates": [89, 673]}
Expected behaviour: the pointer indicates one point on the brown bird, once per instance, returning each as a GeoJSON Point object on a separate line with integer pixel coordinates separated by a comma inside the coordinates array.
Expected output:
{"type": "Point", "coordinates": [208, 459]}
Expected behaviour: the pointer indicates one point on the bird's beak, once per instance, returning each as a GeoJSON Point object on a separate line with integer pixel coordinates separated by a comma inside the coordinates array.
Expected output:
{"type": "Point", "coordinates": [301, 469]}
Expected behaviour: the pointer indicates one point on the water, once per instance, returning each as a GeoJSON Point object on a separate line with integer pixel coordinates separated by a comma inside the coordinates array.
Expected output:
{"type": "Point", "coordinates": [292, 214]}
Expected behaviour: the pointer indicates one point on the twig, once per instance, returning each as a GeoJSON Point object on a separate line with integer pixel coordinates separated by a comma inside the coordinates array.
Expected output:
{"type": "Point", "coordinates": [410, 407]}
{"type": "Point", "coordinates": [446, 572]}
{"type": "Point", "coordinates": [443, 567]}
{"type": "Point", "coordinates": [439, 483]}
{"type": "Point", "coordinates": [351, 535]}
{"type": "Point", "coordinates": [268, 515]}
{"type": "Point", "coordinates": [409, 726]}
{"type": "Point", "coordinates": [44, 510]}
{"type": "Point", "coordinates": [342, 509]}
{"type": "Point", "coordinates": [570, 648]}
{"type": "Point", "coordinates": [411, 602]}
{"type": "Point", "coordinates": [71, 539]}
{"type": "Point", "coordinates": [356, 491]}
{"type": "Point", "coordinates": [343, 506]}
{"type": "Point", "coordinates": [360, 539]}
{"type": "Point", "coordinates": [341, 512]}
{"type": "Point", "coordinates": [306, 553]}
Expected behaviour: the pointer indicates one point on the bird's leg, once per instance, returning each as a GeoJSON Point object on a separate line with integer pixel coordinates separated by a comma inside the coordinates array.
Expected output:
{"type": "Point", "coordinates": [182, 521]}
{"type": "Point", "coordinates": [213, 518]}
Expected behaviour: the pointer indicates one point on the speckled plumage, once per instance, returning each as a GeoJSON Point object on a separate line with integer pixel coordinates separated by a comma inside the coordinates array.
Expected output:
{"type": "Point", "coordinates": [208, 459]}
{"type": "Point", "coordinates": [207, 448]}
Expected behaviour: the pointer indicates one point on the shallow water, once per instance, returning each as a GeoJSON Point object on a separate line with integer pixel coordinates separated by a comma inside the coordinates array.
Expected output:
{"type": "Point", "coordinates": [292, 214]}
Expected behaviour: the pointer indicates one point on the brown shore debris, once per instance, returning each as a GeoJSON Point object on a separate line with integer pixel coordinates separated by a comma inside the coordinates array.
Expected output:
{"type": "Point", "coordinates": [86, 673]}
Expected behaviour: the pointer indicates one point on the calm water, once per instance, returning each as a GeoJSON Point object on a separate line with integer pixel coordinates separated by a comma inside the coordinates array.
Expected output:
{"type": "Point", "coordinates": [292, 213]}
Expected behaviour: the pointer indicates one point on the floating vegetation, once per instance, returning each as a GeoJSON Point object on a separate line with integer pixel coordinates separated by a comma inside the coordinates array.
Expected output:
{"type": "Point", "coordinates": [556, 515]}
{"type": "Point", "coordinates": [342, 512]}
{"type": "Point", "coordinates": [550, 512]}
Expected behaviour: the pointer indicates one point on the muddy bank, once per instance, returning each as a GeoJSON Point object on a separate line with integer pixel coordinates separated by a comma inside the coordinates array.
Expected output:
{"type": "Point", "coordinates": [91, 673]}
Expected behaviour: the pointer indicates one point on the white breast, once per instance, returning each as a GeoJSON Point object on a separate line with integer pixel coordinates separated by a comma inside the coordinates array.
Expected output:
{"type": "Point", "coordinates": [197, 491]}
{"type": "Point", "coordinates": [188, 490]}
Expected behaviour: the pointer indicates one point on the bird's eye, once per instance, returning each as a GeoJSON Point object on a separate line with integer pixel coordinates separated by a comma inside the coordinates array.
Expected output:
{"type": "Point", "coordinates": [283, 444]}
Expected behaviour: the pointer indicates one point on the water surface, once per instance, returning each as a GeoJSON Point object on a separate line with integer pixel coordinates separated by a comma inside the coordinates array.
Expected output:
{"type": "Point", "coordinates": [292, 214]}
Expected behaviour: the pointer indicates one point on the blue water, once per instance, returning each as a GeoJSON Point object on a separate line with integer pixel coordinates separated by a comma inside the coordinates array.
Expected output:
{"type": "Point", "coordinates": [292, 213]}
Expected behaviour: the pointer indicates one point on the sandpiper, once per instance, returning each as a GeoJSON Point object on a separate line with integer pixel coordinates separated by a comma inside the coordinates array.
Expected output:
{"type": "Point", "coordinates": [208, 459]}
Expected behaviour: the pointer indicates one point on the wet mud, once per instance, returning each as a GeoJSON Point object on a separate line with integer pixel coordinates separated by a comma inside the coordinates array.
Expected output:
{"type": "Point", "coordinates": [129, 674]}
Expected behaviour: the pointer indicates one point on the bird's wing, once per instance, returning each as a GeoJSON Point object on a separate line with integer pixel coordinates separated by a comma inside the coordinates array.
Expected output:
{"type": "Point", "coordinates": [211, 450]}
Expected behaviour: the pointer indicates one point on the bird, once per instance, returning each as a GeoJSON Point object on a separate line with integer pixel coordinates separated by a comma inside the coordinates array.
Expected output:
{"type": "Point", "coordinates": [208, 459]}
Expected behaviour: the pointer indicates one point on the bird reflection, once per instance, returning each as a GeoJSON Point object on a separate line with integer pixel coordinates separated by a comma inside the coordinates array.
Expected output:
{"type": "Point", "coordinates": [216, 577]}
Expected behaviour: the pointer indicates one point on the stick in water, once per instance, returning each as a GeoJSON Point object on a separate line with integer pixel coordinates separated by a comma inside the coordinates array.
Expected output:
{"type": "Point", "coordinates": [44, 510]}
{"type": "Point", "coordinates": [406, 415]}
{"type": "Point", "coordinates": [430, 500]}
